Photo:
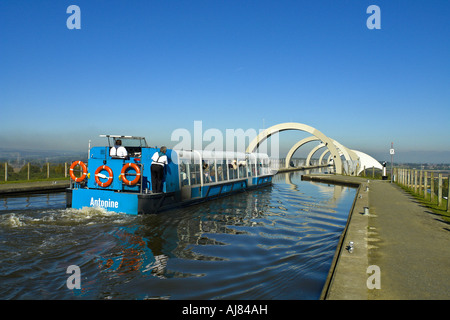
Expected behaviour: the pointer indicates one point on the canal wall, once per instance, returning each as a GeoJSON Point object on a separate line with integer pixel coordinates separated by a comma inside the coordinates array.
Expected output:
{"type": "Point", "coordinates": [344, 278]}
{"type": "Point", "coordinates": [290, 169]}
{"type": "Point", "coordinates": [33, 187]}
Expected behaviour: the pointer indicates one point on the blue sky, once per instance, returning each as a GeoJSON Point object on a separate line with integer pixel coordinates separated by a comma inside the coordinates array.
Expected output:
{"type": "Point", "coordinates": [149, 67]}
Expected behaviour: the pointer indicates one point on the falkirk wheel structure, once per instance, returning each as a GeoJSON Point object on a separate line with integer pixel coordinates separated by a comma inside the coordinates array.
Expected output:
{"type": "Point", "coordinates": [353, 161]}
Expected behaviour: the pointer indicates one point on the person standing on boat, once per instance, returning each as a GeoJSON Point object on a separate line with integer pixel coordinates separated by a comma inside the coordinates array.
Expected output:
{"type": "Point", "coordinates": [118, 150]}
{"type": "Point", "coordinates": [157, 169]}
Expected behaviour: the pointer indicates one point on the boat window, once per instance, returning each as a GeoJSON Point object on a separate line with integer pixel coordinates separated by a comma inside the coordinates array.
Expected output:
{"type": "Point", "coordinates": [184, 173]}
{"type": "Point", "coordinates": [212, 171]}
{"type": "Point", "coordinates": [189, 166]}
{"type": "Point", "coordinates": [248, 166]}
{"type": "Point", "coordinates": [262, 165]}
{"type": "Point", "coordinates": [206, 171]}
{"type": "Point", "coordinates": [266, 166]}
{"type": "Point", "coordinates": [209, 170]}
{"type": "Point", "coordinates": [132, 144]}
{"type": "Point", "coordinates": [232, 169]}
{"type": "Point", "coordinates": [194, 169]}
{"type": "Point", "coordinates": [251, 165]}
{"type": "Point", "coordinates": [222, 173]}
{"type": "Point", "coordinates": [198, 167]}
{"type": "Point", "coordinates": [242, 167]}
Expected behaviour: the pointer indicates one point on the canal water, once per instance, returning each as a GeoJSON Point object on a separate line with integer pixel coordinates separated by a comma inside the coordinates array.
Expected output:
{"type": "Point", "coordinates": [273, 243]}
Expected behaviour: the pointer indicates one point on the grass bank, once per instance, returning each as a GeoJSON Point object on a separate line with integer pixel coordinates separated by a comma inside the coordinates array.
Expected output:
{"type": "Point", "coordinates": [432, 205]}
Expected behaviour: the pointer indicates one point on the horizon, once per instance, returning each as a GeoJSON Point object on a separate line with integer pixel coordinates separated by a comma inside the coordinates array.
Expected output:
{"type": "Point", "coordinates": [412, 159]}
{"type": "Point", "coordinates": [148, 68]}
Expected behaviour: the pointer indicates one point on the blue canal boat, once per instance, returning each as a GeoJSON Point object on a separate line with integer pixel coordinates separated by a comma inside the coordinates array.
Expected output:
{"type": "Point", "coordinates": [124, 183]}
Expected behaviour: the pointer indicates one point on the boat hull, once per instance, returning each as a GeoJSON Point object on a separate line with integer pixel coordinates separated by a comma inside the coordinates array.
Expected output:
{"type": "Point", "coordinates": [148, 203]}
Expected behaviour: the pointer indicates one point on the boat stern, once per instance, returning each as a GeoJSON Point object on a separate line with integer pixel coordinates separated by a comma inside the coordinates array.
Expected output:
{"type": "Point", "coordinates": [111, 201]}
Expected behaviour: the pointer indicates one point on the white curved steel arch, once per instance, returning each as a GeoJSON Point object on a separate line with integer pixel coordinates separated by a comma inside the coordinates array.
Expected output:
{"type": "Point", "coordinates": [323, 155]}
{"type": "Point", "coordinates": [262, 136]}
{"type": "Point", "coordinates": [367, 162]}
{"type": "Point", "coordinates": [348, 154]}
{"type": "Point", "coordinates": [296, 146]}
{"type": "Point", "coordinates": [314, 150]}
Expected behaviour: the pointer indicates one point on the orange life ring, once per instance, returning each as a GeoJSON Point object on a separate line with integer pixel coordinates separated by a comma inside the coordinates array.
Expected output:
{"type": "Point", "coordinates": [138, 174]}
{"type": "Point", "coordinates": [83, 167]}
{"type": "Point", "coordinates": [110, 178]}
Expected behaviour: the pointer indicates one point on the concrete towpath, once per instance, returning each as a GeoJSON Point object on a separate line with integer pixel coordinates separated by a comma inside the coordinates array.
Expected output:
{"type": "Point", "coordinates": [408, 244]}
